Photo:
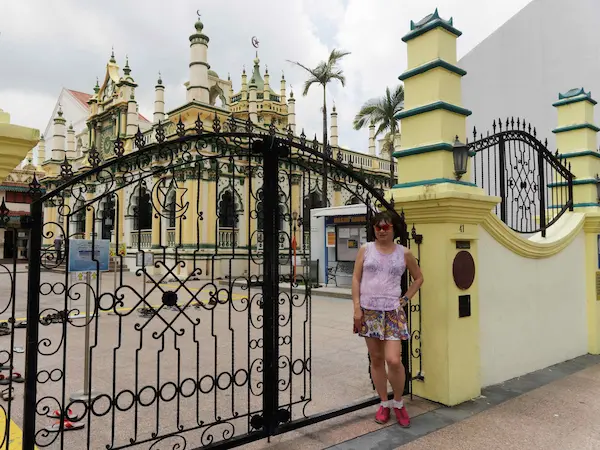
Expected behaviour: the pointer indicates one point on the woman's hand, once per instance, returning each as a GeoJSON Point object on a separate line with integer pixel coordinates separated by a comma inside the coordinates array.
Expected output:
{"type": "Point", "coordinates": [358, 320]}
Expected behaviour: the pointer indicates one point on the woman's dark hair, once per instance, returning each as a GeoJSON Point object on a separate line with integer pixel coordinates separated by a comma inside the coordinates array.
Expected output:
{"type": "Point", "coordinates": [387, 217]}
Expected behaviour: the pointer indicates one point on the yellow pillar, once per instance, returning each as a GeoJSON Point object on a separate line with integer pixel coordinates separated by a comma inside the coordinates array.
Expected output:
{"type": "Point", "coordinates": [15, 143]}
{"type": "Point", "coordinates": [576, 141]}
{"type": "Point", "coordinates": [432, 115]}
{"type": "Point", "coordinates": [89, 215]}
{"type": "Point", "coordinates": [576, 137]}
{"type": "Point", "coordinates": [443, 208]}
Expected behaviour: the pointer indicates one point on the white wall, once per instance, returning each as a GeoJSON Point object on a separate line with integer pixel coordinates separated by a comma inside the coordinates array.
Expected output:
{"type": "Point", "coordinates": [550, 46]}
{"type": "Point", "coordinates": [532, 311]}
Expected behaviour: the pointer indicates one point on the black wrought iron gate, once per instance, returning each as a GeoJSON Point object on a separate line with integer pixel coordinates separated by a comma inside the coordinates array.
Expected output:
{"type": "Point", "coordinates": [207, 340]}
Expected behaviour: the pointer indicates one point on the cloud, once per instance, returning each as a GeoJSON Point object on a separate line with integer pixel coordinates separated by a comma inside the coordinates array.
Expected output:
{"type": "Point", "coordinates": [46, 46]}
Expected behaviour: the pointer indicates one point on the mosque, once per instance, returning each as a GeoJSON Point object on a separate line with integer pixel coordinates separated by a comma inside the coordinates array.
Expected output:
{"type": "Point", "coordinates": [85, 126]}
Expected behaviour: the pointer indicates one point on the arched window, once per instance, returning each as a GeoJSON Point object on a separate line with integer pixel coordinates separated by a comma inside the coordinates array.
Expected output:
{"type": "Point", "coordinates": [261, 219]}
{"type": "Point", "coordinates": [79, 218]}
{"type": "Point", "coordinates": [142, 212]}
{"type": "Point", "coordinates": [171, 208]}
{"type": "Point", "coordinates": [109, 217]}
{"type": "Point", "coordinates": [227, 212]}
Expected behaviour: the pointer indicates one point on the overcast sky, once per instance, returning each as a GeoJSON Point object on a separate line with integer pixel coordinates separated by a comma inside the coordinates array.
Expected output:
{"type": "Point", "coordinates": [46, 45]}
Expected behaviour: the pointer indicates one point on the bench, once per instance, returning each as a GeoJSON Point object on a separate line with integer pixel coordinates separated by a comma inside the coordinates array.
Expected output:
{"type": "Point", "coordinates": [339, 268]}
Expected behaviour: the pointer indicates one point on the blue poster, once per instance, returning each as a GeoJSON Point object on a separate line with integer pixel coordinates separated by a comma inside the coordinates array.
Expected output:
{"type": "Point", "coordinates": [84, 258]}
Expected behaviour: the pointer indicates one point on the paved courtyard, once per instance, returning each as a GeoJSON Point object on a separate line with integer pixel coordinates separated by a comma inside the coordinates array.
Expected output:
{"type": "Point", "coordinates": [145, 368]}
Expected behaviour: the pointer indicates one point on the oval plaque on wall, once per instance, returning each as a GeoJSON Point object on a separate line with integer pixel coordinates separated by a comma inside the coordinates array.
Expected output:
{"type": "Point", "coordinates": [463, 270]}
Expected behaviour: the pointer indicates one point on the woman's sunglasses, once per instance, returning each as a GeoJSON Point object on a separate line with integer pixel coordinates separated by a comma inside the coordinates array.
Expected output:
{"type": "Point", "coordinates": [384, 227]}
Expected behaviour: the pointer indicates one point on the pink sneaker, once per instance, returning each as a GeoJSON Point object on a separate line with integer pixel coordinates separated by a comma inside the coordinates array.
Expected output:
{"type": "Point", "coordinates": [383, 415]}
{"type": "Point", "coordinates": [402, 417]}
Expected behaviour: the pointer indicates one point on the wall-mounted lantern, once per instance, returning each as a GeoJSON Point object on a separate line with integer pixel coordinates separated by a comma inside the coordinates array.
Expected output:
{"type": "Point", "coordinates": [461, 158]}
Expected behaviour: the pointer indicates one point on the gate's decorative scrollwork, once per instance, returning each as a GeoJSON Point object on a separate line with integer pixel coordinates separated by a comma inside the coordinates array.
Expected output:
{"type": "Point", "coordinates": [512, 163]}
{"type": "Point", "coordinates": [200, 329]}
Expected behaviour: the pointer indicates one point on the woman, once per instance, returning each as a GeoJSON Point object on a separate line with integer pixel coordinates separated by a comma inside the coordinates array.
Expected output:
{"type": "Point", "coordinates": [379, 310]}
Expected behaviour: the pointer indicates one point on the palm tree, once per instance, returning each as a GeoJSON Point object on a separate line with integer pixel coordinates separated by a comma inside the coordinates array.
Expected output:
{"type": "Point", "coordinates": [382, 112]}
{"type": "Point", "coordinates": [325, 72]}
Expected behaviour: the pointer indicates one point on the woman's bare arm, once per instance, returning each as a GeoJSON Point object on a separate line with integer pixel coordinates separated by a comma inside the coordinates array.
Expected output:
{"type": "Point", "coordinates": [415, 273]}
{"type": "Point", "coordinates": [357, 277]}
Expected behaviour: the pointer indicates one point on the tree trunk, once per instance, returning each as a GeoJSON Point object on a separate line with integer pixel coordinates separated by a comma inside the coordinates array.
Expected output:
{"type": "Point", "coordinates": [392, 178]}
{"type": "Point", "coordinates": [324, 183]}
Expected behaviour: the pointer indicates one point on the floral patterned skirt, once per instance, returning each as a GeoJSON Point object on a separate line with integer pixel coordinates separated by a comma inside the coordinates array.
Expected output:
{"type": "Point", "coordinates": [385, 325]}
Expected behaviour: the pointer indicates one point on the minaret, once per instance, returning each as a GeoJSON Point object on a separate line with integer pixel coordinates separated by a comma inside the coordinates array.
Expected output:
{"type": "Point", "coordinates": [93, 101]}
{"type": "Point", "coordinates": [132, 116]}
{"type": "Point", "coordinates": [292, 112]}
{"type": "Point", "coordinates": [71, 142]}
{"type": "Point", "coordinates": [252, 106]}
{"type": "Point", "coordinates": [230, 89]}
{"type": "Point", "coordinates": [372, 147]}
{"type": "Point", "coordinates": [42, 150]}
{"type": "Point", "coordinates": [197, 88]}
{"type": "Point", "coordinates": [267, 88]}
{"type": "Point", "coordinates": [29, 158]}
{"type": "Point", "coordinates": [159, 101]}
{"type": "Point", "coordinates": [333, 140]}
{"type": "Point", "coordinates": [59, 138]}
{"type": "Point", "coordinates": [244, 85]}
{"type": "Point", "coordinates": [282, 95]}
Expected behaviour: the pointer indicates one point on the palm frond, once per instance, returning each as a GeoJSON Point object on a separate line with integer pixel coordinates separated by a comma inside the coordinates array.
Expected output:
{"type": "Point", "coordinates": [339, 75]}
{"type": "Point", "coordinates": [308, 83]}
{"type": "Point", "coordinates": [335, 56]}
{"type": "Point", "coordinates": [366, 114]}
{"type": "Point", "coordinates": [308, 69]}
{"type": "Point", "coordinates": [383, 126]}
{"type": "Point", "coordinates": [382, 111]}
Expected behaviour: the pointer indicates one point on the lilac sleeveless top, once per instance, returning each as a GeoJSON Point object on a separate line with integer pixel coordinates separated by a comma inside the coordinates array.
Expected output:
{"type": "Point", "coordinates": [380, 286]}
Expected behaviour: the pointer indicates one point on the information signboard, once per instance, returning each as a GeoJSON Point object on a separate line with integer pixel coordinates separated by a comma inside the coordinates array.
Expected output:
{"type": "Point", "coordinates": [86, 255]}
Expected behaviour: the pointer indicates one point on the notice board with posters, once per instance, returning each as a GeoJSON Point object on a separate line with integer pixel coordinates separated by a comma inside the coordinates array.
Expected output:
{"type": "Point", "coordinates": [351, 234]}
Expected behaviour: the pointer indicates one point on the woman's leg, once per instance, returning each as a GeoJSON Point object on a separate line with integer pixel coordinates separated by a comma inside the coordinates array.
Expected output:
{"type": "Point", "coordinates": [376, 349]}
{"type": "Point", "coordinates": [395, 372]}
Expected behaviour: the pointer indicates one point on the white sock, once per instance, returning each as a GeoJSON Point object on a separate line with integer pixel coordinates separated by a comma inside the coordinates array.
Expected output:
{"type": "Point", "coordinates": [386, 404]}
{"type": "Point", "coordinates": [398, 403]}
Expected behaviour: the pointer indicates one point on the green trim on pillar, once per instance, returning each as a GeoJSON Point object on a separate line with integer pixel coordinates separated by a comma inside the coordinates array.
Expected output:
{"type": "Point", "coordinates": [429, 23]}
{"type": "Point", "coordinates": [580, 126]}
{"type": "Point", "coordinates": [592, 153]}
{"type": "Point", "coordinates": [430, 66]}
{"type": "Point", "coordinates": [440, 146]}
{"type": "Point", "coordinates": [576, 205]}
{"type": "Point", "coordinates": [569, 101]}
{"type": "Point", "coordinates": [575, 182]}
{"type": "Point", "coordinates": [431, 182]}
{"type": "Point", "coordinates": [423, 149]}
{"type": "Point", "coordinates": [573, 96]}
{"type": "Point", "coordinates": [433, 107]}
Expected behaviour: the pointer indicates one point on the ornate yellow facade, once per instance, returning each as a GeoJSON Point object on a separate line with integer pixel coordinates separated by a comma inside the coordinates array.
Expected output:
{"type": "Point", "coordinates": [114, 124]}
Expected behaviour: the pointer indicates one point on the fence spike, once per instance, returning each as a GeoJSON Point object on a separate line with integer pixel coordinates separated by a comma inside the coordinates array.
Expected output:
{"type": "Point", "coordinates": [518, 124]}
{"type": "Point", "coordinates": [474, 133]}
{"type": "Point", "coordinates": [494, 126]}
{"type": "Point", "coordinates": [507, 123]}
{"type": "Point", "coordinates": [500, 123]}
{"type": "Point", "coordinates": [546, 142]}
{"type": "Point", "coordinates": [529, 128]}
{"type": "Point", "coordinates": [534, 132]}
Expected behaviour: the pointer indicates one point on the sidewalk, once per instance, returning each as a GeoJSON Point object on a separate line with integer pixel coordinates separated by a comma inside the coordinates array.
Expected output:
{"type": "Point", "coordinates": [554, 408]}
